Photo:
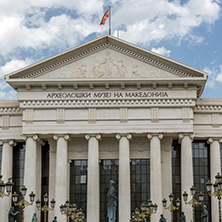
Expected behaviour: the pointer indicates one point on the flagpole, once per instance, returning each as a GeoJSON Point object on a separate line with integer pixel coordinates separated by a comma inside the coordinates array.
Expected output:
{"type": "Point", "coordinates": [109, 20]}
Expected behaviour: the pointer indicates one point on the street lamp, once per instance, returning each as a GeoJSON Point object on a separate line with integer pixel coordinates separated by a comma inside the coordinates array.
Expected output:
{"type": "Point", "coordinates": [193, 202]}
{"type": "Point", "coordinates": [171, 207]}
{"type": "Point", "coordinates": [23, 203]}
{"type": "Point", "coordinates": [217, 190]}
{"type": "Point", "coordinates": [146, 210]}
{"type": "Point", "coordinates": [71, 211]}
{"type": "Point", "coordinates": [8, 187]}
{"type": "Point", "coordinates": [45, 208]}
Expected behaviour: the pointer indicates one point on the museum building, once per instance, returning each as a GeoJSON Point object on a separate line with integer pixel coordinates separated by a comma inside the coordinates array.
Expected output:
{"type": "Point", "coordinates": [110, 110]}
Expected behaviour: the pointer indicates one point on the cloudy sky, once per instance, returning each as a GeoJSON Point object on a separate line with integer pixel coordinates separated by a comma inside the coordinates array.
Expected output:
{"type": "Point", "coordinates": [188, 31]}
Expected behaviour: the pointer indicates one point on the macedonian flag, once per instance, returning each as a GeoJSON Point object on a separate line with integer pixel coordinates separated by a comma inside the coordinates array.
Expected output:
{"type": "Point", "coordinates": [106, 16]}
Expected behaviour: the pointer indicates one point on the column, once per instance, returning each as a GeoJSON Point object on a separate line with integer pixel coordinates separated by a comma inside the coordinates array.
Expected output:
{"type": "Point", "coordinates": [166, 169]}
{"type": "Point", "coordinates": [93, 187]}
{"type": "Point", "coordinates": [186, 171]}
{"type": "Point", "coordinates": [52, 175]}
{"type": "Point", "coordinates": [124, 177]}
{"type": "Point", "coordinates": [61, 180]}
{"type": "Point", "coordinates": [155, 173]}
{"type": "Point", "coordinates": [30, 173]}
{"type": "Point", "coordinates": [6, 171]}
{"type": "Point", "coordinates": [215, 167]}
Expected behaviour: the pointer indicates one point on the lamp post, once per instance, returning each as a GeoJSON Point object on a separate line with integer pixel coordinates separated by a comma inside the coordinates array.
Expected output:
{"type": "Point", "coordinates": [8, 187]}
{"type": "Point", "coordinates": [45, 208]}
{"type": "Point", "coordinates": [217, 191]}
{"type": "Point", "coordinates": [71, 211]}
{"type": "Point", "coordinates": [171, 207]}
{"type": "Point", "coordinates": [23, 203]}
{"type": "Point", "coordinates": [193, 202]}
{"type": "Point", "coordinates": [146, 210]}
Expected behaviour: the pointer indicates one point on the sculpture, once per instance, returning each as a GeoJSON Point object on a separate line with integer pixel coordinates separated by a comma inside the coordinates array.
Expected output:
{"type": "Point", "coordinates": [55, 219]}
{"type": "Point", "coordinates": [34, 218]}
{"type": "Point", "coordinates": [183, 217]}
{"type": "Point", "coordinates": [162, 218]}
{"type": "Point", "coordinates": [112, 202]}
{"type": "Point", "coordinates": [204, 214]}
{"type": "Point", "coordinates": [11, 214]}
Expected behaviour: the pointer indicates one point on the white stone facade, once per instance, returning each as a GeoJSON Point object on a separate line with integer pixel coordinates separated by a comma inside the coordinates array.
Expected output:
{"type": "Point", "coordinates": [108, 99]}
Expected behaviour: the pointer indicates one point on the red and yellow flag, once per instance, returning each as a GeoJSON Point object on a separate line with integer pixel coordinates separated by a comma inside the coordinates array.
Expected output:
{"type": "Point", "coordinates": [106, 16]}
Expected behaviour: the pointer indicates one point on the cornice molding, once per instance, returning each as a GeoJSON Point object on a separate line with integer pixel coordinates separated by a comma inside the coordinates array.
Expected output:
{"type": "Point", "coordinates": [108, 103]}
{"type": "Point", "coordinates": [10, 110]}
{"type": "Point", "coordinates": [101, 43]}
{"type": "Point", "coordinates": [208, 108]}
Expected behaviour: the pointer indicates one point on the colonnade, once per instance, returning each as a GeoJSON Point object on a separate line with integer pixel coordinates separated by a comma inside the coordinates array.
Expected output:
{"type": "Point", "coordinates": [60, 179]}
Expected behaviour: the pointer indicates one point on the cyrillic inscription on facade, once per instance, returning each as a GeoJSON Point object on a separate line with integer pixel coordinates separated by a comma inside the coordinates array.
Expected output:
{"type": "Point", "coordinates": [103, 95]}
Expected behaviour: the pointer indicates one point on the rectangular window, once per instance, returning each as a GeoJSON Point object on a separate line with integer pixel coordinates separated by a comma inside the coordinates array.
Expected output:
{"type": "Point", "coordinates": [18, 174]}
{"type": "Point", "coordinates": [201, 173]}
{"type": "Point", "coordinates": [0, 159]}
{"type": "Point", "coordinates": [45, 174]}
{"type": "Point", "coordinates": [176, 177]}
{"type": "Point", "coordinates": [140, 182]}
{"type": "Point", "coordinates": [78, 183]}
{"type": "Point", "coordinates": [109, 170]}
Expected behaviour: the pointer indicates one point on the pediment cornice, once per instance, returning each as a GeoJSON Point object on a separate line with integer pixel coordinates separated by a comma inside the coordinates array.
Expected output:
{"type": "Point", "coordinates": [99, 44]}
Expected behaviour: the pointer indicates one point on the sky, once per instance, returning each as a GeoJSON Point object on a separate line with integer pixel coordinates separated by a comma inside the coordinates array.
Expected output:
{"type": "Point", "coordinates": [187, 31]}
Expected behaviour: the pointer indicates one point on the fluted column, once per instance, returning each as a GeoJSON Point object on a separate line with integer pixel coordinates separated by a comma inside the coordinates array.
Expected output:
{"type": "Point", "coordinates": [155, 173]}
{"type": "Point", "coordinates": [6, 172]}
{"type": "Point", "coordinates": [30, 173]}
{"type": "Point", "coordinates": [124, 177]}
{"type": "Point", "coordinates": [186, 171]}
{"type": "Point", "coordinates": [61, 181]}
{"type": "Point", "coordinates": [215, 167]}
{"type": "Point", "coordinates": [93, 191]}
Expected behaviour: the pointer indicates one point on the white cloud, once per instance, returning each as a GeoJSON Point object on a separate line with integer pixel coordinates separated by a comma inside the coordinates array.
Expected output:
{"type": "Point", "coordinates": [13, 65]}
{"type": "Point", "coordinates": [150, 20]}
{"type": "Point", "coordinates": [53, 25]}
{"type": "Point", "coordinates": [215, 75]}
{"type": "Point", "coordinates": [10, 95]}
{"type": "Point", "coordinates": [162, 51]}
{"type": "Point", "coordinates": [23, 23]}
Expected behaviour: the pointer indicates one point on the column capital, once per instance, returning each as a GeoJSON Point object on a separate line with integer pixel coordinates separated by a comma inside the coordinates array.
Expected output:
{"type": "Point", "coordinates": [182, 135]}
{"type": "Point", "coordinates": [10, 142]}
{"type": "Point", "coordinates": [97, 136]}
{"type": "Point", "coordinates": [211, 140]}
{"type": "Point", "coordinates": [127, 135]}
{"type": "Point", "coordinates": [151, 135]}
{"type": "Point", "coordinates": [65, 136]}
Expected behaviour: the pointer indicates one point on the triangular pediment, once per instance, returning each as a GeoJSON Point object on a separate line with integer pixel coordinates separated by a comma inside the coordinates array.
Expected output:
{"type": "Point", "coordinates": [106, 57]}
{"type": "Point", "coordinates": [107, 63]}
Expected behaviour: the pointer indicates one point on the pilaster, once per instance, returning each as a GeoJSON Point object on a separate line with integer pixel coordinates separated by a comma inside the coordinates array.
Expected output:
{"type": "Point", "coordinates": [166, 170]}
{"type": "Point", "coordinates": [52, 174]}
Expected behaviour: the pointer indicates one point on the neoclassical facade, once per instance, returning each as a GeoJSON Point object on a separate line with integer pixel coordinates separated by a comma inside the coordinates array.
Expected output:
{"type": "Point", "coordinates": [106, 110]}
